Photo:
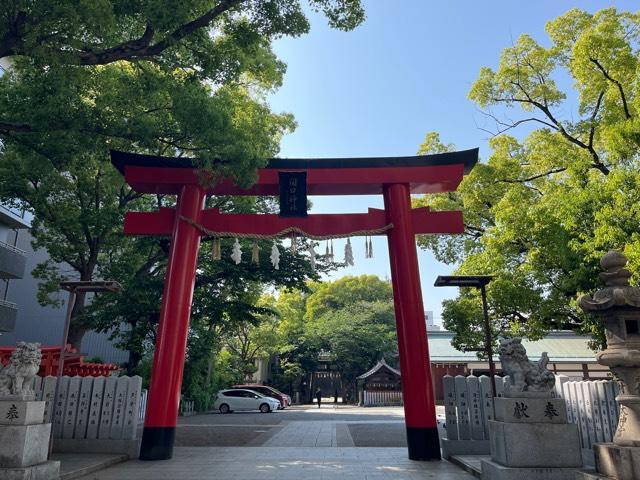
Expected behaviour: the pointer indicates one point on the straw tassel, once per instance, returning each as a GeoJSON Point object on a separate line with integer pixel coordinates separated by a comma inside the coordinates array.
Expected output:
{"type": "Point", "coordinates": [294, 245]}
{"type": "Point", "coordinates": [216, 252]}
{"type": "Point", "coordinates": [370, 248]}
{"type": "Point", "coordinates": [255, 253]}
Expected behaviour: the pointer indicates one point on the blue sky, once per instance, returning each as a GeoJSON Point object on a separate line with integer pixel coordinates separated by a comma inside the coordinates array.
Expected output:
{"type": "Point", "coordinates": [377, 90]}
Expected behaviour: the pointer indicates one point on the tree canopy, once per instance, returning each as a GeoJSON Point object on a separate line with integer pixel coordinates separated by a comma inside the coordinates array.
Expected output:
{"type": "Point", "coordinates": [351, 318]}
{"type": "Point", "coordinates": [184, 78]}
{"type": "Point", "coordinates": [545, 206]}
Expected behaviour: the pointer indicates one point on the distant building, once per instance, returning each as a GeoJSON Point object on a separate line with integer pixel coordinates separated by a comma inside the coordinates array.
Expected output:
{"type": "Point", "coordinates": [12, 264]}
{"type": "Point", "coordinates": [569, 354]}
{"type": "Point", "coordinates": [431, 327]}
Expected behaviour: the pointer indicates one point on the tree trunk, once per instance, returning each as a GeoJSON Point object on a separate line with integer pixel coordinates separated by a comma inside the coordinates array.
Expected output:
{"type": "Point", "coordinates": [133, 362]}
{"type": "Point", "coordinates": [76, 328]}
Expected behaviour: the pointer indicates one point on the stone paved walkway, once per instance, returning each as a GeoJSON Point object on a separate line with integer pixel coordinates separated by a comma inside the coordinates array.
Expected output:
{"type": "Point", "coordinates": [305, 434]}
{"type": "Point", "coordinates": [284, 463]}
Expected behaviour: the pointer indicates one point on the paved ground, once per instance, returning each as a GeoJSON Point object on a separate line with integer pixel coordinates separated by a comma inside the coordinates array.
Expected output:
{"type": "Point", "coordinates": [278, 463]}
{"type": "Point", "coordinates": [74, 465]}
{"type": "Point", "coordinates": [344, 426]}
{"type": "Point", "coordinates": [298, 443]}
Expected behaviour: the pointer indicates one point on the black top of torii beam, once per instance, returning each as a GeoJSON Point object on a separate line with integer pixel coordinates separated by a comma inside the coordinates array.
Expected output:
{"type": "Point", "coordinates": [466, 157]}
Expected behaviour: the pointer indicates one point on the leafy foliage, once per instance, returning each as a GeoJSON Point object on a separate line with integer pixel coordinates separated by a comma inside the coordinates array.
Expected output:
{"type": "Point", "coordinates": [164, 78]}
{"type": "Point", "coordinates": [352, 318]}
{"type": "Point", "coordinates": [542, 210]}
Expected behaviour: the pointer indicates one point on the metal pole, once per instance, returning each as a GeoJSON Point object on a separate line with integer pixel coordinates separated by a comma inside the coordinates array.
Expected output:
{"type": "Point", "coordinates": [65, 335]}
{"type": "Point", "coordinates": [488, 340]}
{"type": "Point", "coordinates": [65, 332]}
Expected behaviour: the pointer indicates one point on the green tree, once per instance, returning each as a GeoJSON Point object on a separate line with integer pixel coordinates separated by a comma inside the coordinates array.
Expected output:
{"type": "Point", "coordinates": [542, 210]}
{"type": "Point", "coordinates": [178, 78]}
{"type": "Point", "coordinates": [351, 317]}
{"type": "Point", "coordinates": [331, 296]}
{"type": "Point", "coordinates": [357, 335]}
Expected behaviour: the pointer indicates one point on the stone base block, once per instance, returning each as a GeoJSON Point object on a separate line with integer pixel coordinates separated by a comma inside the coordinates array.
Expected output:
{"type": "Point", "coordinates": [535, 444]}
{"type": "Point", "coordinates": [531, 410]}
{"type": "Point", "coordinates": [511, 394]}
{"type": "Point", "coordinates": [619, 463]}
{"type": "Point", "coordinates": [588, 458]}
{"type": "Point", "coordinates": [24, 445]}
{"type": "Point", "coordinates": [464, 447]}
{"type": "Point", "coordinates": [43, 471]}
{"type": "Point", "coordinates": [128, 447]}
{"type": "Point", "coordinates": [494, 471]}
{"type": "Point", "coordinates": [21, 413]}
{"type": "Point", "coordinates": [590, 475]}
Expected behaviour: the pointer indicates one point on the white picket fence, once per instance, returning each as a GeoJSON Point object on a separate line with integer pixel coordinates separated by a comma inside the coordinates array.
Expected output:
{"type": "Point", "coordinates": [91, 407]}
{"type": "Point", "coordinates": [187, 408]}
{"type": "Point", "coordinates": [381, 398]}
{"type": "Point", "coordinates": [469, 407]}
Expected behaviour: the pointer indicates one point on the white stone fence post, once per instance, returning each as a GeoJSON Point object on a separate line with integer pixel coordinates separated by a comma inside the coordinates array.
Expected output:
{"type": "Point", "coordinates": [142, 408]}
{"type": "Point", "coordinates": [92, 414]}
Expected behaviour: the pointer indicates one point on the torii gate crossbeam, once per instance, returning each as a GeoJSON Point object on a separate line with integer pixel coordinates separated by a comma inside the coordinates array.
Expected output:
{"type": "Point", "coordinates": [394, 178]}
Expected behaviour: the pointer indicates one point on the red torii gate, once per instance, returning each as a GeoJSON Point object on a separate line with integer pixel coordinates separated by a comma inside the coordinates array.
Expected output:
{"type": "Point", "coordinates": [395, 178]}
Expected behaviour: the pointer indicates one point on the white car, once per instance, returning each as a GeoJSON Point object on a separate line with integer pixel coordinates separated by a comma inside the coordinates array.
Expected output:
{"type": "Point", "coordinates": [239, 399]}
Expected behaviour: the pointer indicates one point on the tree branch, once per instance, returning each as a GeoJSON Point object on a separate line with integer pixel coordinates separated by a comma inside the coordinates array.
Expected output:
{"type": "Point", "coordinates": [142, 47]}
{"type": "Point", "coordinates": [533, 177]}
{"type": "Point", "coordinates": [616, 82]}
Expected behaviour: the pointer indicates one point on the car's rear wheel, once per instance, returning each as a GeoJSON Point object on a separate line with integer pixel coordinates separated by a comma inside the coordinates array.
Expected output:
{"type": "Point", "coordinates": [224, 408]}
{"type": "Point", "coordinates": [265, 408]}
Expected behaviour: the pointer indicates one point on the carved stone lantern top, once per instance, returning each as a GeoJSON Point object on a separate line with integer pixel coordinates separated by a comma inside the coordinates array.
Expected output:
{"type": "Point", "coordinates": [617, 292]}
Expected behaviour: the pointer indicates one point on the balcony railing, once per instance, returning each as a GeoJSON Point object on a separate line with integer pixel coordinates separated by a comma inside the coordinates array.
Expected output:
{"type": "Point", "coordinates": [12, 261]}
{"type": "Point", "coordinates": [12, 248]}
{"type": "Point", "coordinates": [4, 303]}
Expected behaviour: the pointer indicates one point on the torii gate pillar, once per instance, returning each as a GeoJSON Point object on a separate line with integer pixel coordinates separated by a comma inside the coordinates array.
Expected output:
{"type": "Point", "coordinates": [173, 327]}
{"type": "Point", "coordinates": [417, 388]}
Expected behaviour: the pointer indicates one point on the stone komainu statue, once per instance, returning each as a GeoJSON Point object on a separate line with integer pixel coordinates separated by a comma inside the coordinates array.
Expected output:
{"type": "Point", "coordinates": [525, 375]}
{"type": "Point", "coordinates": [24, 364]}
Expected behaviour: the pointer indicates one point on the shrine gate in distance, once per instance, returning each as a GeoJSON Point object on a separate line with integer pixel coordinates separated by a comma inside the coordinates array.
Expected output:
{"type": "Point", "coordinates": [395, 178]}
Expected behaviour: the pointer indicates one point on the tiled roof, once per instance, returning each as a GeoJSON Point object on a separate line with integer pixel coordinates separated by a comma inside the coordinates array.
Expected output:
{"type": "Point", "coordinates": [562, 347]}
{"type": "Point", "coordinates": [381, 364]}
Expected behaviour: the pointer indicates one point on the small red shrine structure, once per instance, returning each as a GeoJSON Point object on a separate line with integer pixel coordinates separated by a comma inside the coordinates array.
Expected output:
{"type": "Point", "coordinates": [394, 178]}
{"type": "Point", "coordinates": [74, 364]}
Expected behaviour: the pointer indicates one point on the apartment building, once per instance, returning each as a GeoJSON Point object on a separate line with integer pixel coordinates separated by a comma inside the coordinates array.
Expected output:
{"type": "Point", "coordinates": [12, 263]}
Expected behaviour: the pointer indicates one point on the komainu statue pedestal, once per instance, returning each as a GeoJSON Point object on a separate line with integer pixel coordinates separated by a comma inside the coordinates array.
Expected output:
{"type": "Point", "coordinates": [24, 442]}
{"type": "Point", "coordinates": [24, 437]}
{"type": "Point", "coordinates": [531, 439]}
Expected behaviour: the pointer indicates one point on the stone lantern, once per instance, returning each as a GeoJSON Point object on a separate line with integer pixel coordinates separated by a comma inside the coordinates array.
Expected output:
{"type": "Point", "coordinates": [618, 305]}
